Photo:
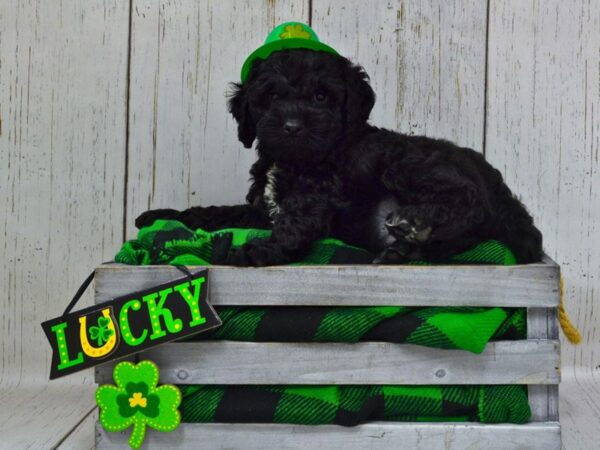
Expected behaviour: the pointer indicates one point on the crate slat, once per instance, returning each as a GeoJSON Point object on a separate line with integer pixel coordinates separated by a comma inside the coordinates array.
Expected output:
{"type": "Point", "coordinates": [553, 402]}
{"type": "Point", "coordinates": [532, 285]}
{"type": "Point", "coordinates": [542, 323]}
{"type": "Point", "coordinates": [230, 362]}
{"type": "Point", "coordinates": [374, 436]}
{"type": "Point", "coordinates": [538, 401]}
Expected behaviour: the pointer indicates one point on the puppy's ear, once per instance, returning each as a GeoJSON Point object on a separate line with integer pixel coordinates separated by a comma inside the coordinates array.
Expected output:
{"type": "Point", "coordinates": [360, 97]}
{"type": "Point", "coordinates": [239, 109]}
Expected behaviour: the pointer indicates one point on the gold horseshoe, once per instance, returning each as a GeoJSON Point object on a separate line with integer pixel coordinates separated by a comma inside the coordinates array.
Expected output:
{"type": "Point", "coordinates": [97, 352]}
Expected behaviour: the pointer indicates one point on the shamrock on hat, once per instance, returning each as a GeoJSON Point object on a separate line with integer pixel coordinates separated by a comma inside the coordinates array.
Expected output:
{"type": "Point", "coordinates": [288, 35]}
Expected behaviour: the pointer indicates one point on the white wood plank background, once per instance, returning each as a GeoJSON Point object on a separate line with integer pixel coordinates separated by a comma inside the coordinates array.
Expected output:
{"type": "Point", "coordinates": [41, 416]}
{"type": "Point", "coordinates": [83, 436]}
{"type": "Point", "coordinates": [543, 133]}
{"type": "Point", "coordinates": [183, 147]}
{"type": "Point", "coordinates": [426, 59]}
{"type": "Point", "coordinates": [69, 95]}
{"type": "Point", "coordinates": [63, 72]}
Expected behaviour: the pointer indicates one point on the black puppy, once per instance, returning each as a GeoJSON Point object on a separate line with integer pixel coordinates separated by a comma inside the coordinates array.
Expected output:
{"type": "Point", "coordinates": [322, 170]}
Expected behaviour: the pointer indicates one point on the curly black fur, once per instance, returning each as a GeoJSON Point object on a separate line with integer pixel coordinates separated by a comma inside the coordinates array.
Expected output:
{"type": "Point", "coordinates": [322, 170]}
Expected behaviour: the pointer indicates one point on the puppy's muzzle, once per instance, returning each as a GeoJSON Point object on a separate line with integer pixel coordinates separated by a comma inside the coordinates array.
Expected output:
{"type": "Point", "coordinates": [292, 127]}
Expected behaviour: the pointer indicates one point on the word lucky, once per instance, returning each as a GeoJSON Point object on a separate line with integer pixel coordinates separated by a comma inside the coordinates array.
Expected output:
{"type": "Point", "coordinates": [151, 312]}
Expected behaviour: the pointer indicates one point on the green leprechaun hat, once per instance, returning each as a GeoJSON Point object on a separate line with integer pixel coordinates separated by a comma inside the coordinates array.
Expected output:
{"type": "Point", "coordinates": [286, 36]}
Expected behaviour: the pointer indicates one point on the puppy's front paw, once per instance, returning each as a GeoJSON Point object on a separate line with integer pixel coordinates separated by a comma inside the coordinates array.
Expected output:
{"type": "Point", "coordinates": [238, 257]}
{"type": "Point", "coordinates": [149, 217]}
{"type": "Point", "coordinates": [394, 254]}
{"type": "Point", "coordinates": [398, 253]}
{"type": "Point", "coordinates": [408, 227]}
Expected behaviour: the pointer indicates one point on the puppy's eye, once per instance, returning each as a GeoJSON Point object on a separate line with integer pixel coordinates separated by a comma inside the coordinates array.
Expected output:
{"type": "Point", "coordinates": [320, 97]}
{"type": "Point", "coordinates": [273, 96]}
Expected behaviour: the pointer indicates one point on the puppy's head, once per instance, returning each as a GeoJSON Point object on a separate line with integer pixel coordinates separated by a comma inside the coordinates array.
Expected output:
{"type": "Point", "coordinates": [300, 104]}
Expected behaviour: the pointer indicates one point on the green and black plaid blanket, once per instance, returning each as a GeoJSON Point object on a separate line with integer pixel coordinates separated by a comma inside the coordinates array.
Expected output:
{"type": "Point", "coordinates": [171, 242]}
{"type": "Point", "coordinates": [452, 328]}
{"type": "Point", "coordinates": [468, 328]}
{"type": "Point", "coordinates": [351, 405]}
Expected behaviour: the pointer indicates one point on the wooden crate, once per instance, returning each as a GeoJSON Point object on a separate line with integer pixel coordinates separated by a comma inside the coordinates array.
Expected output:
{"type": "Point", "coordinates": [533, 361]}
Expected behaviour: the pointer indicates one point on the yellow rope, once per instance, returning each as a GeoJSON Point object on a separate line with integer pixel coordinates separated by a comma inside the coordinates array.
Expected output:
{"type": "Point", "coordinates": [570, 330]}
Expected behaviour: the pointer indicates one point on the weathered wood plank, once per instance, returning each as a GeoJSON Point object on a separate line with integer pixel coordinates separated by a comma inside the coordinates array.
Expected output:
{"type": "Point", "coordinates": [538, 401]}
{"type": "Point", "coordinates": [36, 416]}
{"type": "Point", "coordinates": [83, 436]}
{"type": "Point", "coordinates": [580, 411]}
{"type": "Point", "coordinates": [104, 373]}
{"type": "Point", "coordinates": [183, 142]}
{"type": "Point", "coordinates": [229, 362]}
{"type": "Point", "coordinates": [63, 75]}
{"type": "Point", "coordinates": [534, 285]}
{"type": "Point", "coordinates": [426, 60]}
{"type": "Point", "coordinates": [537, 323]}
{"type": "Point", "coordinates": [543, 135]}
{"type": "Point", "coordinates": [553, 400]}
{"type": "Point", "coordinates": [541, 398]}
{"type": "Point", "coordinates": [374, 436]}
{"type": "Point", "coordinates": [553, 324]}
{"type": "Point", "coordinates": [542, 323]}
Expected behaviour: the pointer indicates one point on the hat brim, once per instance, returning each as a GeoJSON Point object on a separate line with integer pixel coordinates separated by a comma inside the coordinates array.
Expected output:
{"type": "Point", "coordinates": [284, 44]}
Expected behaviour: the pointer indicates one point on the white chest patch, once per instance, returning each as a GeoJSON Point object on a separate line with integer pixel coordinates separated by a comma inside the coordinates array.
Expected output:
{"type": "Point", "coordinates": [270, 194]}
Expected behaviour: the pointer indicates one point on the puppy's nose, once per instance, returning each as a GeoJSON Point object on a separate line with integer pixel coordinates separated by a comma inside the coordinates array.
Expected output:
{"type": "Point", "coordinates": [292, 126]}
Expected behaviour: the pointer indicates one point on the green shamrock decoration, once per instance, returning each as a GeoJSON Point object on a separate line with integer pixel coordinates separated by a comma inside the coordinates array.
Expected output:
{"type": "Point", "coordinates": [136, 400]}
{"type": "Point", "coordinates": [101, 333]}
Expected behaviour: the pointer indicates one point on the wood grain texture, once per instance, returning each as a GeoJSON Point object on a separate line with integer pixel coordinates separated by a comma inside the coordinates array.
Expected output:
{"type": "Point", "coordinates": [42, 416]}
{"type": "Point", "coordinates": [542, 323]}
{"type": "Point", "coordinates": [543, 401]}
{"type": "Point", "coordinates": [62, 146]}
{"type": "Point", "coordinates": [533, 285]}
{"type": "Point", "coordinates": [82, 437]}
{"type": "Point", "coordinates": [373, 436]}
{"type": "Point", "coordinates": [580, 411]}
{"type": "Point", "coordinates": [230, 362]}
{"type": "Point", "coordinates": [183, 148]}
{"type": "Point", "coordinates": [543, 133]}
{"type": "Point", "coordinates": [426, 60]}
